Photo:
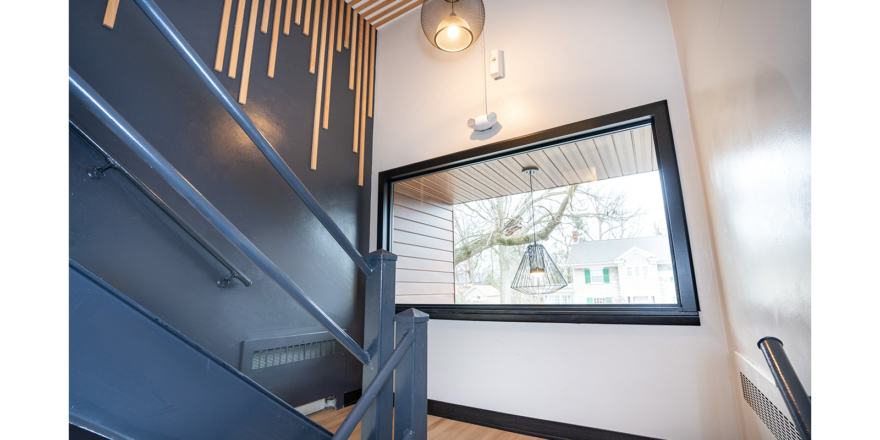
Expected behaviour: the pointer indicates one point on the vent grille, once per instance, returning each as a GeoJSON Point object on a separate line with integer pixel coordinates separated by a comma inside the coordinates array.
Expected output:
{"type": "Point", "coordinates": [293, 353]}
{"type": "Point", "coordinates": [781, 427]}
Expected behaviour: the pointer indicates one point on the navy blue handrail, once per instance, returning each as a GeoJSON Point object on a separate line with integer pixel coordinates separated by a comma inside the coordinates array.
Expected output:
{"type": "Point", "coordinates": [204, 73]}
{"type": "Point", "coordinates": [119, 126]}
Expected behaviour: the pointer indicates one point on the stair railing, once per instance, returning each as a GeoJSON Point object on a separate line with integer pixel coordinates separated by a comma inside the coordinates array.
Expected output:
{"type": "Point", "coordinates": [377, 402]}
{"type": "Point", "coordinates": [793, 393]}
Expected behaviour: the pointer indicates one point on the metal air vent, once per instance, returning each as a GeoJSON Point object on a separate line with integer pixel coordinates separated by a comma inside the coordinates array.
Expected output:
{"type": "Point", "coordinates": [780, 425]}
{"type": "Point", "coordinates": [292, 353]}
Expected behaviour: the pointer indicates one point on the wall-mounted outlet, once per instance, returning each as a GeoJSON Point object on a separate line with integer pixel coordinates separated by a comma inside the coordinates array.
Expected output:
{"type": "Point", "coordinates": [496, 64]}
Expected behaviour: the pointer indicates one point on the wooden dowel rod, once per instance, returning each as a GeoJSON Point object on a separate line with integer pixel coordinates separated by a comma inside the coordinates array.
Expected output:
{"type": "Point", "coordinates": [224, 34]}
{"type": "Point", "coordinates": [308, 24]}
{"type": "Point", "coordinates": [316, 130]}
{"type": "Point", "coordinates": [236, 38]}
{"type": "Point", "coordinates": [110, 13]}
{"type": "Point", "coordinates": [347, 24]}
{"type": "Point", "coordinates": [248, 52]}
{"type": "Point", "coordinates": [372, 71]}
{"type": "Point", "coordinates": [287, 13]}
{"type": "Point", "coordinates": [339, 26]}
{"type": "Point", "coordinates": [276, 25]}
{"type": "Point", "coordinates": [363, 103]}
{"type": "Point", "coordinates": [357, 93]}
{"type": "Point", "coordinates": [299, 11]}
{"type": "Point", "coordinates": [329, 81]}
{"type": "Point", "coordinates": [354, 24]}
{"type": "Point", "coordinates": [315, 36]}
{"type": "Point", "coordinates": [264, 28]}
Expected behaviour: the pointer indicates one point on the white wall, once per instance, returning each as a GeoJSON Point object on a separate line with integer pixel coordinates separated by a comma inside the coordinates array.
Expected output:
{"type": "Point", "coordinates": [746, 70]}
{"type": "Point", "coordinates": [565, 61]}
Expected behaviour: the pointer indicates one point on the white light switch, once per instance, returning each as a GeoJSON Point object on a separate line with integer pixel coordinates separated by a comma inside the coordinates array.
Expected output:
{"type": "Point", "coordinates": [496, 64]}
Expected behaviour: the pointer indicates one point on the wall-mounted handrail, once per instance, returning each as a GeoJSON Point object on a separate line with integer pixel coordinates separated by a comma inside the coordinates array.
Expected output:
{"type": "Point", "coordinates": [372, 390]}
{"type": "Point", "coordinates": [793, 393]}
{"type": "Point", "coordinates": [119, 126]}
{"type": "Point", "coordinates": [204, 73]}
{"type": "Point", "coordinates": [114, 163]}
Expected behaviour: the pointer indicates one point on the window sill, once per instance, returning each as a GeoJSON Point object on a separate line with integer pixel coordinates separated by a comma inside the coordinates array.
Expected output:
{"type": "Point", "coordinates": [573, 314]}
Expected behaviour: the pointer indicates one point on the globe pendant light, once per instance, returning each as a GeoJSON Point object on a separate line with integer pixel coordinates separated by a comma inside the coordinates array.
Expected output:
{"type": "Point", "coordinates": [537, 273]}
{"type": "Point", "coordinates": [453, 25]}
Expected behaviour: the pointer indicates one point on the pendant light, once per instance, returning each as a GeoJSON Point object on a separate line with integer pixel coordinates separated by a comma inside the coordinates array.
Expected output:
{"type": "Point", "coordinates": [453, 25]}
{"type": "Point", "coordinates": [537, 273]}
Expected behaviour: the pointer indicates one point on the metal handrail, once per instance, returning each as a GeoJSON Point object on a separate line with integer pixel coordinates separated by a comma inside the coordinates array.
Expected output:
{"type": "Point", "coordinates": [372, 390]}
{"type": "Point", "coordinates": [121, 128]}
{"type": "Point", "coordinates": [204, 73]}
{"type": "Point", "coordinates": [113, 163]}
{"type": "Point", "coordinates": [793, 393]}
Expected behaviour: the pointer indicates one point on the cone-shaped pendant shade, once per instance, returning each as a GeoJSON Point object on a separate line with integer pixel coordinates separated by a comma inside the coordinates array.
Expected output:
{"type": "Point", "coordinates": [537, 274]}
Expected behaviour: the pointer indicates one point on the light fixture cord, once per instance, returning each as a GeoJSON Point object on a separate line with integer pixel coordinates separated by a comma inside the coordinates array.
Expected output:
{"type": "Point", "coordinates": [485, 92]}
{"type": "Point", "coordinates": [534, 225]}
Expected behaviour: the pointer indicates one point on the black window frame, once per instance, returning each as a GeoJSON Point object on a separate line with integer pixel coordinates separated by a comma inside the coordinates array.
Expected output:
{"type": "Point", "coordinates": [686, 312]}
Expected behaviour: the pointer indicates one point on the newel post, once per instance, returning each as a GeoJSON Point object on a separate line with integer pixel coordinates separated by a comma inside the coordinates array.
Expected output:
{"type": "Point", "coordinates": [411, 378]}
{"type": "Point", "coordinates": [379, 341]}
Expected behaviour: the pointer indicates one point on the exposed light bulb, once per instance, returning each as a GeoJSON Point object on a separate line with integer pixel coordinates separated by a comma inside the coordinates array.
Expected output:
{"type": "Point", "coordinates": [453, 31]}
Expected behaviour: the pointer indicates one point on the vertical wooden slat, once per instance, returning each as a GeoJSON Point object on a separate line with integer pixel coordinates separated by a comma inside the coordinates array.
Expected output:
{"type": "Point", "coordinates": [357, 93]}
{"type": "Point", "coordinates": [264, 28]}
{"type": "Point", "coordinates": [110, 13]}
{"type": "Point", "coordinates": [287, 13]}
{"type": "Point", "coordinates": [276, 24]}
{"type": "Point", "coordinates": [372, 71]}
{"type": "Point", "coordinates": [315, 36]}
{"type": "Point", "coordinates": [347, 24]}
{"type": "Point", "coordinates": [330, 66]}
{"type": "Point", "coordinates": [248, 52]}
{"type": "Point", "coordinates": [299, 11]}
{"type": "Point", "coordinates": [316, 131]}
{"type": "Point", "coordinates": [363, 87]}
{"type": "Point", "coordinates": [236, 38]}
{"type": "Point", "coordinates": [224, 33]}
{"type": "Point", "coordinates": [308, 20]}
{"type": "Point", "coordinates": [339, 26]}
{"type": "Point", "coordinates": [353, 65]}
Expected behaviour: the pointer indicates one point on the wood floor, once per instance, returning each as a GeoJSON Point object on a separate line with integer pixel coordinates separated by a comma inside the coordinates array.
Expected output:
{"type": "Point", "coordinates": [438, 428]}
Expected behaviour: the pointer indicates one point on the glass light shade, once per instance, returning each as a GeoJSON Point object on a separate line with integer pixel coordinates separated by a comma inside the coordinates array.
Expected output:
{"type": "Point", "coordinates": [537, 273]}
{"type": "Point", "coordinates": [453, 34]}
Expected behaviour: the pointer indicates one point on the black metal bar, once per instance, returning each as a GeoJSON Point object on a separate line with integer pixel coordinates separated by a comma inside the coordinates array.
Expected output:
{"type": "Point", "coordinates": [372, 390]}
{"type": "Point", "coordinates": [115, 164]}
{"type": "Point", "coordinates": [119, 126]}
{"type": "Point", "coordinates": [411, 378]}
{"type": "Point", "coordinates": [379, 340]}
{"type": "Point", "coordinates": [204, 73]}
{"type": "Point", "coordinates": [793, 393]}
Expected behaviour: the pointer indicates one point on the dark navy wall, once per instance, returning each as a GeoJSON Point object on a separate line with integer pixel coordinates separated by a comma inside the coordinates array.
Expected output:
{"type": "Point", "coordinates": [117, 234]}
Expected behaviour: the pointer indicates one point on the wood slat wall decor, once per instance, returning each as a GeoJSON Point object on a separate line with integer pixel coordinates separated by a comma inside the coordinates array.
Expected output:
{"type": "Point", "coordinates": [339, 25]}
{"type": "Point", "coordinates": [315, 36]}
{"type": "Point", "coordinates": [424, 248]}
{"type": "Point", "coordinates": [326, 124]}
{"type": "Point", "coordinates": [316, 131]}
{"type": "Point", "coordinates": [372, 70]}
{"type": "Point", "coordinates": [298, 20]}
{"type": "Point", "coordinates": [264, 27]}
{"type": "Point", "coordinates": [236, 38]}
{"type": "Point", "coordinates": [308, 13]}
{"type": "Point", "coordinates": [623, 153]}
{"type": "Point", "coordinates": [224, 32]}
{"type": "Point", "coordinates": [287, 14]}
{"type": "Point", "coordinates": [248, 53]}
{"type": "Point", "coordinates": [273, 50]}
{"type": "Point", "coordinates": [110, 13]}
{"type": "Point", "coordinates": [357, 94]}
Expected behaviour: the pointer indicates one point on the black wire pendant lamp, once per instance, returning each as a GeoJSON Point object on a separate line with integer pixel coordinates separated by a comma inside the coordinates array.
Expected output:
{"type": "Point", "coordinates": [537, 273]}
{"type": "Point", "coordinates": [453, 25]}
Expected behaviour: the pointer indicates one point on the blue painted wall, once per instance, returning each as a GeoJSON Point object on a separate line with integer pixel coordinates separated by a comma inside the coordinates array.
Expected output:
{"type": "Point", "coordinates": [117, 234]}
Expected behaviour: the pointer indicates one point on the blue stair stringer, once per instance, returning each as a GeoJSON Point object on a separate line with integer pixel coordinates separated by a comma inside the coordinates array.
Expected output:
{"type": "Point", "coordinates": [132, 376]}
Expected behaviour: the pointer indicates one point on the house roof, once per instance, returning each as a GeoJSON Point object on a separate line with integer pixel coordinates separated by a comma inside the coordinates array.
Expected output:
{"type": "Point", "coordinates": [486, 290]}
{"type": "Point", "coordinates": [603, 251]}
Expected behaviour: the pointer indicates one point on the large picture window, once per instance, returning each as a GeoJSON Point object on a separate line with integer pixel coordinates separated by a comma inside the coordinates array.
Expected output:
{"type": "Point", "coordinates": [606, 204]}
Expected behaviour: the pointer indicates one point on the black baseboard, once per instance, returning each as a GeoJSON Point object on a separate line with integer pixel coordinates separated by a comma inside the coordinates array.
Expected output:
{"type": "Point", "coordinates": [351, 398]}
{"type": "Point", "coordinates": [524, 425]}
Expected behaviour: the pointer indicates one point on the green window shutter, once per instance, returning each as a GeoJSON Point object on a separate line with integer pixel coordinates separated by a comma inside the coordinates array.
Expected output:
{"type": "Point", "coordinates": [589, 300]}
{"type": "Point", "coordinates": [608, 300]}
{"type": "Point", "coordinates": [606, 276]}
{"type": "Point", "coordinates": [587, 276]}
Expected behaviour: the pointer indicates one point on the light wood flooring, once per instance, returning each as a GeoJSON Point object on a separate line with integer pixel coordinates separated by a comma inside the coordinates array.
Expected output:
{"type": "Point", "coordinates": [437, 428]}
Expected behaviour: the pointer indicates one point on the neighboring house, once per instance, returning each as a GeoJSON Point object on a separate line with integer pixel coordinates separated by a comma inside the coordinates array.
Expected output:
{"type": "Point", "coordinates": [627, 270]}
{"type": "Point", "coordinates": [565, 295]}
{"type": "Point", "coordinates": [482, 294]}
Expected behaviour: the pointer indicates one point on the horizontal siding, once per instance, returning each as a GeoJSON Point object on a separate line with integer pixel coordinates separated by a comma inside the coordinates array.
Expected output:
{"type": "Point", "coordinates": [421, 276]}
{"type": "Point", "coordinates": [425, 299]}
{"type": "Point", "coordinates": [420, 195]}
{"type": "Point", "coordinates": [405, 250]}
{"type": "Point", "coordinates": [421, 217]}
{"type": "Point", "coordinates": [418, 205]}
{"type": "Point", "coordinates": [424, 288]}
{"type": "Point", "coordinates": [402, 224]}
{"type": "Point", "coordinates": [421, 240]}
{"type": "Point", "coordinates": [422, 264]}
